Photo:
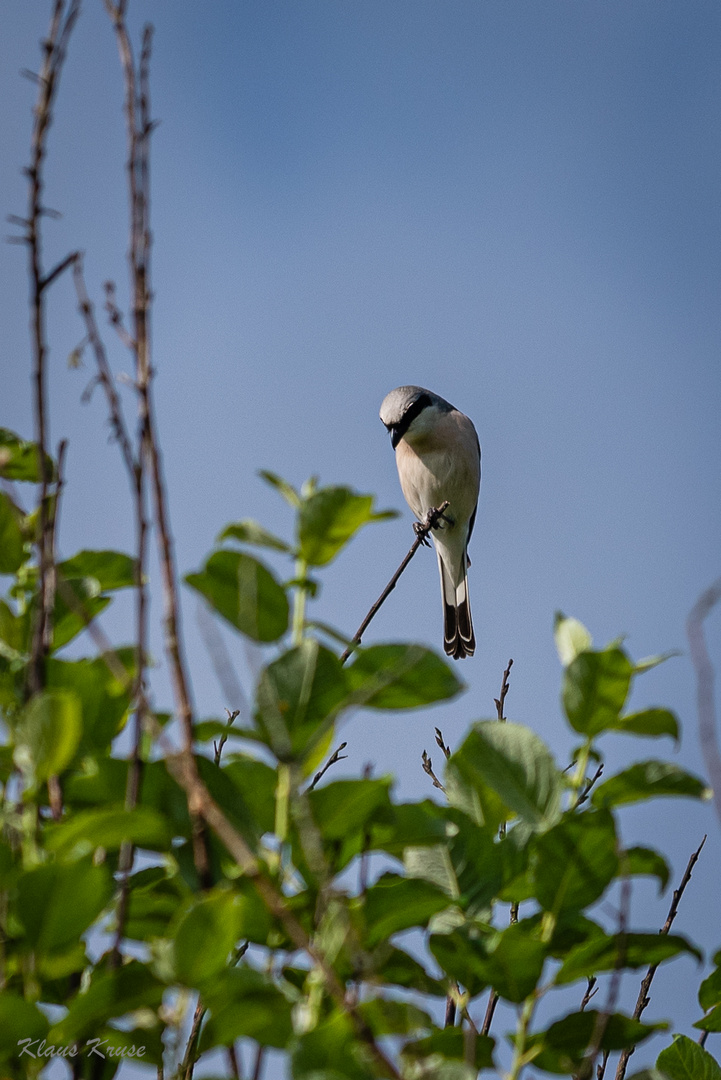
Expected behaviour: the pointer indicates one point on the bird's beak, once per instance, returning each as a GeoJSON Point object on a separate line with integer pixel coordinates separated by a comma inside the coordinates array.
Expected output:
{"type": "Point", "coordinates": [395, 435]}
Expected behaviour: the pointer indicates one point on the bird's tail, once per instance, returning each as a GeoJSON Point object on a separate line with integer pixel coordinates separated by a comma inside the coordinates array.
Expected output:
{"type": "Point", "coordinates": [458, 637]}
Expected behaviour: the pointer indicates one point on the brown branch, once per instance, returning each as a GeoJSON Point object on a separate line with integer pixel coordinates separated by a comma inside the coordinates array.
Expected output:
{"type": "Point", "coordinates": [422, 532]}
{"type": "Point", "coordinates": [614, 989]}
{"type": "Point", "coordinates": [105, 375]}
{"type": "Point", "coordinates": [259, 1059]}
{"type": "Point", "coordinates": [218, 747]}
{"type": "Point", "coordinates": [583, 794]}
{"type": "Point", "coordinates": [54, 49]}
{"type": "Point", "coordinates": [335, 756]}
{"type": "Point", "coordinates": [139, 127]}
{"type": "Point", "coordinates": [55, 795]}
{"type": "Point", "coordinates": [427, 766]}
{"type": "Point", "coordinates": [500, 701]}
{"type": "Point", "coordinates": [591, 991]}
{"type": "Point", "coordinates": [643, 998]}
{"type": "Point", "coordinates": [441, 744]}
{"type": "Point", "coordinates": [705, 687]}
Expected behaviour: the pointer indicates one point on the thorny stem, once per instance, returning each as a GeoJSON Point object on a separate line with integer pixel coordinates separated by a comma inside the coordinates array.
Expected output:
{"type": "Point", "coordinates": [643, 999]}
{"type": "Point", "coordinates": [499, 703]}
{"type": "Point", "coordinates": [422, 532]}
{"type": "Point", "coordinates": [139, 127]}
{"type": "Point", "coordinates": [54, 47]}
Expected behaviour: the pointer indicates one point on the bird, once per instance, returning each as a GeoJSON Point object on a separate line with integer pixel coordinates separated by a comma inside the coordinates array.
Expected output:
{"type": "Point", "coordinates": [439, 458]}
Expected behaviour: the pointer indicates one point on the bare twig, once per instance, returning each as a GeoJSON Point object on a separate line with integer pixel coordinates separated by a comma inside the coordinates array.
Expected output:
{"type": "Point", "coordinates": [705, 688]}
{"type": "Point", "coordinates": [139, 127]}
{"type": "Point", "coordinates": [54, 50]}
{"type": "Point", "coordinates": [335, 756]}
{"type": "Point", "coordinates": [614, 988]}
{"type": "Point", "coordinates": [584, 793]}
{"type": "Point", "coordinates": [643, 998]}
{"type": "Point", "coordinates": [218, 747]}
{"type": "Point", "coordinates": [591, 991]}
{"type": "Point", "coordinates": [422, 533]}
{"type": "Point", "coordinates": [259, 1059]}
{"type": "Point", "coordinates": [427, 765]}
{"type": "Point", "coordinates": [441, 743]}
{"type": "Point", "coordinates": [105, 375]}
{"type": "Point", "coordinates": [55, 795]}
{"type": "Point", "coordinates": [501, 699]}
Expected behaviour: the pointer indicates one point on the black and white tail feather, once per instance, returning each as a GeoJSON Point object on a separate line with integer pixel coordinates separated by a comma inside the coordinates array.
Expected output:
{"type": "Point", "coordinates": [458, 637]}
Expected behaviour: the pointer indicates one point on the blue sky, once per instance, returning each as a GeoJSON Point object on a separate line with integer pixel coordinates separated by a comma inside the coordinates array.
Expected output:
{"type": "Point", "coordinates": [512, 203]}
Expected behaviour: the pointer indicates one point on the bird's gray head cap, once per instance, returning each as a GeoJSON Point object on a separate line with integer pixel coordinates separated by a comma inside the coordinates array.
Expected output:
{"type": "Point", "coordinates": [404, 404]}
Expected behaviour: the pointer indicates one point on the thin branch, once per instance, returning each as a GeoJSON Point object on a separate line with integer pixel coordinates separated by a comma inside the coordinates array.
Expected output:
{"type": "Point", "coordinates": [501, 699]}
{"type": "Point", "coordinates": [614, 989]}
{"type": "Point", "coordinates": [591, 991]}
{"type": "Point", "coordinates": [218, 747]}
{"type": "Point", "coordinates": [584, 793]}
{"type": "Point", "coordinates": [139, 127]}
{"type": "Point", "coordinates": [705, 688]}
{"type": "Point", "coordinates": [61, 267]}
{"type": "Point", "coordinates": [105, 375]}
{"type": "Point", "coordinates": [643, 998]}
{"type": "Point", "coordinates": [55, 795]}
{"type": "Point", "coordinates": [422, 532]}
{"type": "Point", "coordinates": [500, 702]}
{"type": "Point", "coordinates": [54, 48]}
{"type": "Point", "coordinates": [441, 744]}
{"type": "Point", "coordinates": [259, 1059]}
{"type": "Point", "coordinates": [427, 766]}
{"type": "Point", "coordinates": [335, 756]}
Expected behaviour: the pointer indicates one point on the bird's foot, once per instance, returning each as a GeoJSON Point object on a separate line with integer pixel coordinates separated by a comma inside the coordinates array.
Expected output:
{"type": "Point", "coordinates": [421, 531]}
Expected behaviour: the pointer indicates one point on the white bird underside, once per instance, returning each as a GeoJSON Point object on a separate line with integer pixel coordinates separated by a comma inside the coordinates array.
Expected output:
{"type": "Point", "coordinates": [434, 467]}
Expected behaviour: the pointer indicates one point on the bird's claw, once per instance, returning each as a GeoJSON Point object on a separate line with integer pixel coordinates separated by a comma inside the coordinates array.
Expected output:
{"type": "Point", "coordinates": [421, 531]}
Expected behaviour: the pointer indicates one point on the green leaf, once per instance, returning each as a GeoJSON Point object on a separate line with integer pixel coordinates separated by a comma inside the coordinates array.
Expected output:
{"type": "Point", "coordinates": [384, 1016]}
{"type": "Point", "coordinates": [637, 861]}
{"type": "Point", "coordinates": [110, 994]}
{"type": "Point", "coordinates": [571, 636]}
{"type": "Point", "coordinates": [19, 1019]}
{"type": "Point", "coordinates": [515, 766]}
{"type": "Point", "coordinates": [19, 460]}
{"type": "Point", "coordinates": [245, 593]}
{"type": "Point", "coordinates": [573, 863]}
{"type": "Point", "coordinates": [11, 537]}
{"type": "Point", "coordinates": [477, 861]}
{"type": "Point", "coordinates": [395, 967]}
{"type": "Point", "coordinates": [627, 950]}
{"type": "Point", "coordinates": [451, 1042]}
{"type": "Point", "coordinates": [395, 903]}
{"type": "Point", "coordinates": [77, 603]}
{"type": "Point", "coordinates": [709, 993]}
{"type": "Point", "coordinates": [649, 662]}
{"type": "Point", "coordinates": [595, 688]}
{"type": "Point", "coordinates": [251, 532]}
{"type": "Point", "coordinates": [288, 492]}
{"type": "Point", "coordinates": [111, 569]}
{"type": "Point", "coordinates": [649, 780]}
{"type": "Point", "coordinates": [104, 700]}
{"type": "Point", "coordinates": [331, 1051]}
{"type": "Point", "coordinates": [298, 698]}
{"type": "Point", "coordinates": [205, 937]}
{"type": "Point", "coordinates": [712, 1021]}
{"type": "Point", "coordinates": [510, 960]}
{"type": "Point", "coordinates": [651, 722]}
{"type": "Point", "coordinates": [432, 864]}
{"type": "Point", "coordinates": [88, 830]}
{"type": "Point", "coordinates": [329, 518]}
{"type": "Point", "coordinates": [57, 903]}
{"type": "Point", "coordinates": [257, 782]}
{"type": "Point", "coordinates": [410, 825]}
{"type": "Point", "coordinates": [400, 677]}
{"type": "Point", "coordinates": [245, 1004]}
{"type": "Point", "coordinates": [48, 733]}
{"type": "Point", "coordinates": [346, 805]}
{"type": "Point", "coordinates": [686, 1060]}
{"type": "Point", "coordinates": [565, 1042]}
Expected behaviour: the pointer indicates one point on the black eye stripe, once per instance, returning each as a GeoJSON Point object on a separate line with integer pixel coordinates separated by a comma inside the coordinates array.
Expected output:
{"type": "Point", "coordinates": [411, 413]}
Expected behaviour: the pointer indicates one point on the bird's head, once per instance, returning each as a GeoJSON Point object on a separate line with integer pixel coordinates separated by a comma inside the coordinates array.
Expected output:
{"type": "Point", "coordinates": [411, 411]}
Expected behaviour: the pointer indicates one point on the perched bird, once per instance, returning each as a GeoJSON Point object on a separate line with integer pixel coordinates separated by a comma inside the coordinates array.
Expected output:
{"type": "Point", "coordinates": [439, 458]}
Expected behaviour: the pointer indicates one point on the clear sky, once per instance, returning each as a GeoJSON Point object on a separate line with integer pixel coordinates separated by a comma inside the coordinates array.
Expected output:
{"type": "Point", "coordinates": [515, 204]}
